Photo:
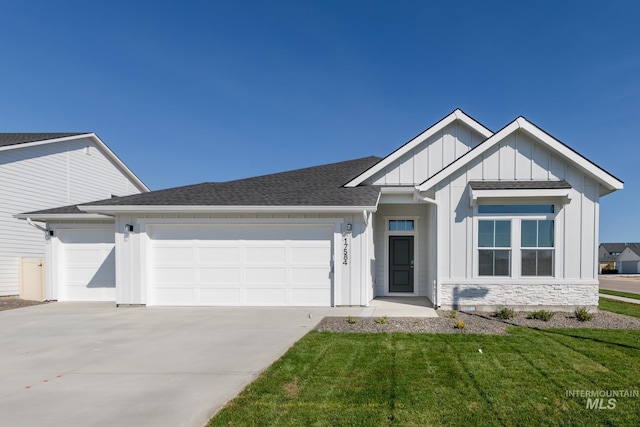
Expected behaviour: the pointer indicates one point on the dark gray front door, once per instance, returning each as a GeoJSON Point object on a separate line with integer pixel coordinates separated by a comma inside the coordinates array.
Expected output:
{"type": "Point", "coordinates": [400, 263]}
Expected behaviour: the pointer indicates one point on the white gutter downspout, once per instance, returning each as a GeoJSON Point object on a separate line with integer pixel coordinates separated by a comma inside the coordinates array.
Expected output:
{"type": "Point", "coordinates": [436, 286]}
{"type": "Point", "coordinates": [39, 227]}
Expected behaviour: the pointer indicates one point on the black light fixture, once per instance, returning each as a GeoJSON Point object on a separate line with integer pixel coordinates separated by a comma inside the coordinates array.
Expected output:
{"type": "Point", "coordinates": [48, 232]}
{"type": "Point", "coordinates": [349, 226]}
{"type": "Point", "coordinates": [128, 228]}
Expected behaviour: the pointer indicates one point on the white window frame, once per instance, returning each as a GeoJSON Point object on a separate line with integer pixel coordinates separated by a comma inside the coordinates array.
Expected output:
{"type": "Point", "coordinates": [516, 247]}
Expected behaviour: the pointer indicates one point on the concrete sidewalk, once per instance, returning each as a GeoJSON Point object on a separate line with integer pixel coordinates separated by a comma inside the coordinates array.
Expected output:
{"type": "Point", "coordinates": [625, 299]}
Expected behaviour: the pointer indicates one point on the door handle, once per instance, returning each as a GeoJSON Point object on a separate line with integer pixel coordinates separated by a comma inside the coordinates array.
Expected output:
{"type": "Point", "coordinates": [411, 263]}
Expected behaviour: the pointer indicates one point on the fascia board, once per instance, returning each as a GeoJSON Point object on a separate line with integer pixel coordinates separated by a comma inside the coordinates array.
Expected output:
{"type": "Point", "coordinates": [101, 145]}
{"type": "Point", "coordinates": [119, 163]}
{"type": "Point", "coordinates": [469, 156]}
{"type": "Point", "coordinates": [70, 216]}
{"type": "Point", "coordinates": [105, 209]}
{"type": "Point", "coordinates": [46, 141]}
{"type": "Point", "coordinates": [611, 182]}
{"type": "Point", "coordinates": [455, 115]}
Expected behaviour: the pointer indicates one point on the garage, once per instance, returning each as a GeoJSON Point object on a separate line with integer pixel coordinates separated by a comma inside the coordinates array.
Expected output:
{"type": "Point", "coordinates": [628, 267]}
{"type": "Point", "coordinates": [239, 265]}
{"type": "Point", "coordinates": [88, 265]}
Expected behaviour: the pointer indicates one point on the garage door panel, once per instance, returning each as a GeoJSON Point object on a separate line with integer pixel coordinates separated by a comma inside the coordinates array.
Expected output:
{"type": "Point", "coordinates": [311, 276]}
{"type": "Point", "coordinates": [266, 296]}
{"type": "Point", "coordinates": [226, 276]}
{"type": "Point", "coordinates": [265, 255]}
{"type": "Point", "coordinates": [220, 296]}
{"type": "Point", "coordinates": [310, 297]}
{"type": "Point", "coordinates": [171, 233]}
{"type": "Point", "coordinates": [264, 276]}
{"type": "Point", "coordinates": [219, 255]}
{"type": "Point", "coordinates": [175, 275]}
{"type": "Point", "coordinates": [87, 265]}
{"type": "Point", "coordinates": [173, 296]}
{"type": "Point", "coordinates": [242, 265]}
{"type": "Point", "coordinates": [310, 255]}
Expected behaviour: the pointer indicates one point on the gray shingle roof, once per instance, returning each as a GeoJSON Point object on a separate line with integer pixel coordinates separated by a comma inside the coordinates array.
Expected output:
{"type": "Point", "coordinates": [314, 186]}
{"type": "Point", "coordinates": [7, 139]}
{"type": "Point", "coordinates": [518, 185]}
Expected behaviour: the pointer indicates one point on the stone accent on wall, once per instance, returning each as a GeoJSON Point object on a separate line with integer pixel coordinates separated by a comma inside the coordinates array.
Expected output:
{"type": "Point", "coordinates": [486, 297]}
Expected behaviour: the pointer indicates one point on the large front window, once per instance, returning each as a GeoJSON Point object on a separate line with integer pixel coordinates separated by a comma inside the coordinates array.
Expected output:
{"type": "Point", "coordinates": [537, 247]}
{"type": "Point", "coordinates": [494, 241]}
{"type": "Point", "coordinates": [517, 242]}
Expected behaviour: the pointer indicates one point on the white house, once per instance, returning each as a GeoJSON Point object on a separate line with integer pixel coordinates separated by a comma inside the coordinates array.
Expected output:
{"type": "Point", "coordinates": [39, 170]}
{"type": "Point", "coordinates": [628, 262]}
{"type": "Point", "coordinates": [459, 214]}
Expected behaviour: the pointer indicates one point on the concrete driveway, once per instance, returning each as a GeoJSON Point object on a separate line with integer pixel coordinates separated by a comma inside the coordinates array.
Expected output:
{"type": "Point", "coordinates": [620, 283]}
{"type": "Point", "coordinates": [91, 364]}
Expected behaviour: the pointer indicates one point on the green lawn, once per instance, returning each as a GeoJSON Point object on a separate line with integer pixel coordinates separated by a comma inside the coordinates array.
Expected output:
{"type": "Point", "coordinates": [620, 294]}
{"type": "Point", "coordinates": [334, 379]}
{"type": "Point", "coordinates": [620, 307]}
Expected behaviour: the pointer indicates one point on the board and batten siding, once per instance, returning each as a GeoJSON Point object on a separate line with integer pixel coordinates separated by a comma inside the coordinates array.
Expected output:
{"type": "Point", "coordinates": [46, 176]}
{"type": "Point", "coordinates": [519, 157]}
{"type": "Point", "coordinates": [429, 157]}
{"type": "Point", "coordinates": [352, 281]}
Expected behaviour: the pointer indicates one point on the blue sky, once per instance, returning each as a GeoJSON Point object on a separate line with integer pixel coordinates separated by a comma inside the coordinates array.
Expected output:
{"type": "Point", "coordinates": [193, 91]}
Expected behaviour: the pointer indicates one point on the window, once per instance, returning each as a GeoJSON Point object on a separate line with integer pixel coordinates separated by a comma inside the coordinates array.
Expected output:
{"type": "Point", "coordinates": [400, 225]}
{"type": "Point", "coordinates": [536, 241]}
{"type": "Point", "coordinates": [494, 239]}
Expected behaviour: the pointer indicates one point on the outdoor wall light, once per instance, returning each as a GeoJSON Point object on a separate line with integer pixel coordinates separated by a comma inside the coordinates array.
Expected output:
{"type": "Point", "coordinates": [128, 228]}
{"type": "Point", "coordinates": [349, 226]}
{"type": "Point", "coordinates": [48, 232]}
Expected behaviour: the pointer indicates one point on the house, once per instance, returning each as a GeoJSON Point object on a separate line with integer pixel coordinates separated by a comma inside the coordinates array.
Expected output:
{"type": "Point", "coordinates": [40, 170]}
{"type": "Point", "coordinates": [622, 258]}
{"type": "Point", "coordinates": [607, 255]}
{"type": "Point", "coordinates": [464, 216]}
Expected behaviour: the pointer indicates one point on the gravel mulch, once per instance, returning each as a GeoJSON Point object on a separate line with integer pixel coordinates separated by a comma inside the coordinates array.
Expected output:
{"type": "Point", "coordinates": [11, 303]}
{"type": "Point", "coordinates": [476, 323]}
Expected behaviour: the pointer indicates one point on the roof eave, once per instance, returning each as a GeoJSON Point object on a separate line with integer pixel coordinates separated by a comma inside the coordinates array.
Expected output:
{"type": "Point", "coordinates": [66, 216]}
{"type": "Point", "coordinates": [608, 181]}
{"type": "Point", "coordinates": [114, 210]}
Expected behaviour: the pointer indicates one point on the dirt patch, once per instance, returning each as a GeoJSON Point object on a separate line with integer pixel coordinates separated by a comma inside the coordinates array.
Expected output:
{"type": "Point", "coordinates": [9, 303]}
{"type": "Point", "coordinates": [291, 388]}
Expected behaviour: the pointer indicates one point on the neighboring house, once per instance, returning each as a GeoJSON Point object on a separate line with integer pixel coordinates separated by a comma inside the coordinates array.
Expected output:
{"type": "Point", "coordinates": [622, 258]}
{"type": "Point", "coordinates": [39, 170]}
{"type": "Point", "coordinates": [461, 215]}
{"type": "Point", "coordinates": [628, 262]}
{"type": "Point", "coordinates": [607, 255]}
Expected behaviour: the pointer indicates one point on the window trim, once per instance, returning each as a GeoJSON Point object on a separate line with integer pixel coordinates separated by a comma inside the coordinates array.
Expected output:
{"type": "Point", "coordinates": [516, 247]}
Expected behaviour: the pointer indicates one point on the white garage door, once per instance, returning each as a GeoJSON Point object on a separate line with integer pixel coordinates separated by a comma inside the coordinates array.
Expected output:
{"type": "Point", "coordinates": [239, 265]}
{"type": "Point", "coordinates": [629, 267]}
{"type": "Point", "coordinates": [88, 265]}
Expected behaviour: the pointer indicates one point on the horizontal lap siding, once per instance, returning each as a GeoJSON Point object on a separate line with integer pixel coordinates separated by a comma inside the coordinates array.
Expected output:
{"type": "Point", "coordinates": [46, 176]}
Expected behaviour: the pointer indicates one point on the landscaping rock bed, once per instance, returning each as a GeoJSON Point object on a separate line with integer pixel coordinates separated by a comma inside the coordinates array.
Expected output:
{"type": "Point", "coordinates": [9, 303]}
{"type": "Point", "coordinates": [474, 323]}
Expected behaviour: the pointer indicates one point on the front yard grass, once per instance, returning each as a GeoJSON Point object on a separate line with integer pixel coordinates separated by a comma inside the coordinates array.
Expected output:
{"type": "Point", "coordinates": [620, 307]}
{"type": "Point", "coordinates": [339, 379]}
{"type": "Point", "coordinates": [620, 294]}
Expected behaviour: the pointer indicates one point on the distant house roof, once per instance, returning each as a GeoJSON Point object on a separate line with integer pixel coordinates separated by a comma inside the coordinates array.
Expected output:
{"type": "Point", "coordinates": [7, 139]}
{"type": "Point", "coordinates": [613, 250]}
{"type": "Point", "coordinates": [319, 186]}
{"type": "Point", "coordinates": [518, 185]}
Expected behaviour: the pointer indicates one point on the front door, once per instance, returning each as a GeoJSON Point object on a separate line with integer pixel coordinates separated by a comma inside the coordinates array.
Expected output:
{"type": "Point", "coordinates": [400, 263]}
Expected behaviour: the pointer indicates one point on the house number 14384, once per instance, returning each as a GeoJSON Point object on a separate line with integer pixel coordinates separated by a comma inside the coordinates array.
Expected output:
{"type": "Point", "coordinates": [345, 252]}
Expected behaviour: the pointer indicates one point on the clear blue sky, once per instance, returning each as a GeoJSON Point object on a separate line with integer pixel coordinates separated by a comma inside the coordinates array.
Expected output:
{"type": "Point", "coordinates": [193, 91]}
